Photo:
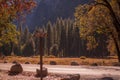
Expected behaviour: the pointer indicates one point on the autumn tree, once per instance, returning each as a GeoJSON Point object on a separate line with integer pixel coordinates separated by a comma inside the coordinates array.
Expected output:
{"type": "Point", "coordinates": [114, 10]}
{"type": "Point", "coordinates": [11, 10]}
{"type": "Point", "coordinates": [96, 20]}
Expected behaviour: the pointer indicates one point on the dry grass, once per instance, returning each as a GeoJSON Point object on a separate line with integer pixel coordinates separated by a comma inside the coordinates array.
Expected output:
{"type": "Point", "coordinates": [61, 61]}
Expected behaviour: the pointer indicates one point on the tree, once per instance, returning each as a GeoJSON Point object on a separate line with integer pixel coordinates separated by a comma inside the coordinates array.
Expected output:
{"type": "Point", "coordinates": [95, 20]}
{"type": "Point", "coordinates": [11, 10]}
{"type": "Point", "coordinates": [115, 20]}
{"type": "Point", "coordinates": [29, 47]}
{"type": "Point", "coordinates": [49, 36]}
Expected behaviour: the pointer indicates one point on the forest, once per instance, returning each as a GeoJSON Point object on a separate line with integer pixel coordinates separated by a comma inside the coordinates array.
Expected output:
{"type": "Point", "coordinates": [94, 31]}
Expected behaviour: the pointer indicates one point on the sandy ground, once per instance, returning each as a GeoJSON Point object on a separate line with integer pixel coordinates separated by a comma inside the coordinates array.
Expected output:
{"type": "Point", "coordinates": [31, 76]}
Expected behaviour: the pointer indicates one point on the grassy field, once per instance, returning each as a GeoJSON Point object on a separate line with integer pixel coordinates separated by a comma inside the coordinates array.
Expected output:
{"type": "Point", "coordinates": [61, 61]}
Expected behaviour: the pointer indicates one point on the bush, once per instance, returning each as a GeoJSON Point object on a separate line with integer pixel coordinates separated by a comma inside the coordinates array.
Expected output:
{"type": "Point", "coordinates": [82, 57]}
{"type": "Point", "coordinates": [74, 64]}
{"type": "Point", "coordinates": [53, 63]}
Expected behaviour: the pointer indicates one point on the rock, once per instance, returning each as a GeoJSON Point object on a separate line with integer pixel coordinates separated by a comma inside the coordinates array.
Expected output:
{"type": "Point", "coordinates": [94, 64]}
{"type": "Point", "coordinates": [107, 78]}
{"type": "Point", "coordinates": [53, 63]}
{"type": "Point", "coordinates": [39, 63]}
{"type": "Point", "coordinates": [116, 64]}
{"type": "Point", "coordinates": [72, 77]}
{"type": "Point", "coordinates": [16, 69]}
{"type": "Point", "coordinates": [44, 72]}
{"type": "Point", "coordinates": [5, 62]}
{"type": "Point", "coordinates": [74, 64]}
{"type": "Point", "coordinates": [27, 62]}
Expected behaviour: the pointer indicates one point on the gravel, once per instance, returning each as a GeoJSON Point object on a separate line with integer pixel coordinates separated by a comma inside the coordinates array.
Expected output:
{"type": "Point", "coordinates": [31, 76]}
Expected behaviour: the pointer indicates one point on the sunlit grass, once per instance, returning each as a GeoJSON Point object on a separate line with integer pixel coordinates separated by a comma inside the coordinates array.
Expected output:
{"type": "Point", "coordinates": [62, 61]}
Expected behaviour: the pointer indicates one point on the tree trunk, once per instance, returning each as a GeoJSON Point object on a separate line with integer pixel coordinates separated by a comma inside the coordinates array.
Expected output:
{"type": "Point", "coordinates": [12, 49]}
{"type": "Point", "coordinates": [116, 24]}
{"type": "Point", "coordinates": [117, 47]}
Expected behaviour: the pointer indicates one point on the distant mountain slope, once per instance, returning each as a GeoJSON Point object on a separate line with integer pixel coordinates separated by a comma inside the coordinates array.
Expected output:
{"type": "Point", "coordinates": [49, 10]}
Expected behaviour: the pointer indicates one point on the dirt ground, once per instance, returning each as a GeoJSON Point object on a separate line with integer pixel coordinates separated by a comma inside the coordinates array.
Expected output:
{"type": "Point", "coordinates": [31, 76]}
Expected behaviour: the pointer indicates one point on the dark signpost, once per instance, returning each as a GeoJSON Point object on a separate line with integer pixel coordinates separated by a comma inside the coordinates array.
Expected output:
{"type": "Point", "coordinates": [41, 34]}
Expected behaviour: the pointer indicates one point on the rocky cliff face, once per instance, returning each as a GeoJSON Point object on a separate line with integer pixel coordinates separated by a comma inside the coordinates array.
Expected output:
{"type": "Point", "coordinates": [49, 10]}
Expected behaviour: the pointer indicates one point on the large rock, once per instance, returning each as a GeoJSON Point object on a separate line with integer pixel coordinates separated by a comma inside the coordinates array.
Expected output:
{"type": "Point", "coordinates": [44, 72]}
{"type": "Point", "coordinates": [16, 69]}
{"type": "Point", "coordinates": [72, 77]}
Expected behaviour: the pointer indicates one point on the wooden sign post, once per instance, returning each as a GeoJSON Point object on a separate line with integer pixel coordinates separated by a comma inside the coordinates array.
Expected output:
{"type": "Point", "coordinates": [41, 34]}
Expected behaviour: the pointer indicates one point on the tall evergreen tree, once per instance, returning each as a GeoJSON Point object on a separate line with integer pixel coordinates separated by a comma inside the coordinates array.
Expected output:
{"type": "Point", "coordinates": [49, 37]}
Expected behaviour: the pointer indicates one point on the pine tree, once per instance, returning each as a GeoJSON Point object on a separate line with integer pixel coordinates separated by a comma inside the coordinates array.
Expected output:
{"type": "Point", "coordinates": [49, 37]}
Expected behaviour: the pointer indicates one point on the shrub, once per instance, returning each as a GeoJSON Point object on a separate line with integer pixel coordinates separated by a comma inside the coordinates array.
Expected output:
{"type": "Point", "coordinates": [82, 57]}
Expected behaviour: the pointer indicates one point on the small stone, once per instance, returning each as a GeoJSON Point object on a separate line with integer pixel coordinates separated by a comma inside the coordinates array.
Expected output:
{"type": "Point", "coordinates": [14, 62]}
{"type": "Point", "coordinates": [74, 64]}
{"type": "Point", "coordinates": [53, 63]}
{"type": "Point", "coordinates": [94, 64]}
{"type": "Point", "coordinates": [27, 62]}
{"type": "Point", "coordinates": [5, 62]}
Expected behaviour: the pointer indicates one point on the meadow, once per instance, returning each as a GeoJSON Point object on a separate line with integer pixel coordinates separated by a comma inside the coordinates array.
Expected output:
{"type": "Point", "coordinates": [109, 61]}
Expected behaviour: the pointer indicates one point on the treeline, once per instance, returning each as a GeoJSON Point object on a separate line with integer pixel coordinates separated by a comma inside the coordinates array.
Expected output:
{"type": "Point", "coordinates": [63, 40]}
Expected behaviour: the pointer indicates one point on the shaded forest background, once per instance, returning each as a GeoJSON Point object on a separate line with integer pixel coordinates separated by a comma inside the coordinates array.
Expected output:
{"type": "Point", "coordinates": [63, 40]}
{"type": "Point", "coordinates": [89, 34]}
